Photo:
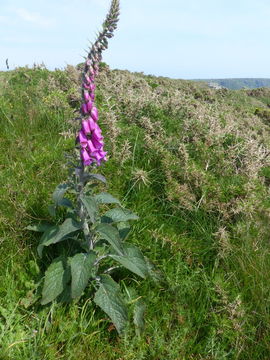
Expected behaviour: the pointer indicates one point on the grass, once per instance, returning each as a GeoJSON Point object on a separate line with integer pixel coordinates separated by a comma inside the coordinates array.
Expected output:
{"type": "Point", "coordinates": [192, 162]}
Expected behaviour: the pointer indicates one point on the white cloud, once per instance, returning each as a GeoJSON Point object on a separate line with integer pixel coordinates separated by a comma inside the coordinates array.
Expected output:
{"type": "Point", "coordinates": [34, 17]}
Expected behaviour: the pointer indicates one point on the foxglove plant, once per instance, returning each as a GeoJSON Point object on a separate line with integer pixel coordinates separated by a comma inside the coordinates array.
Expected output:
{"type": "Point", "coordinates": [93, 234]}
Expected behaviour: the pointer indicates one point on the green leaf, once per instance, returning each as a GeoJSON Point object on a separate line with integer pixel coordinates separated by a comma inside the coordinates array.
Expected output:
{"type": "Point", "coordinates": [124, 229]}
{"type": "Point", "coordinates": [56, 277]}
{"type": "Point", "coordinates": [42, 227]}
{"type": "Point", "coordinates": [46, 238]}
{"type": "Point", "coordinates": [58, 233]}
{"type": "Point", "coordinates": [138, 315]}
{"type": "Point", "coordinates": [59, 193]}
{"type": "Point", "coordinates": [111, 234]}
{"type": "Point", "coordinates": [81, 270]}
{"type": "Point", "coordinates": [133, 260]}
{"type": "Point", "coordinates": [65, 202]}
{"type": "Point", "coordinates": [118, 215]}
{"type": "Point", "coordinates": [106, 198]}
{"type": "Point", "coordinates": [90, 176]}
{"type": "Point", "coordinates": [91, 206]}
{"type": "Point", "coordinates": [65, 296]}
{"type": "Point", "coordinates": [108, 298]}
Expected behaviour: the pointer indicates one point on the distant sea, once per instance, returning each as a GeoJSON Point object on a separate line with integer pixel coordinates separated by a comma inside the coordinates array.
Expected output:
{"type": "Point", "coordinates": [236, 84]}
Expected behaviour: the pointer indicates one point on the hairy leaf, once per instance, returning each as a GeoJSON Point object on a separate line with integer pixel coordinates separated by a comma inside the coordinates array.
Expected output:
{"type": "Point", "coordinates": [91, 206]}
{"type": "Point", "coordinates": [133, 260]}
{"type": "Point", "coordinates": [48, 235]}
{"type": "Point", "coordinates": [108, 297]}
{"type": "Point", "coordinates": [66, 202]}
{"type": "Point", "coordinates": [90, 176]}
{"type": "Point", "coordinates": [81, 270]}
{"type": "Point", "coordinates": [119, 215]}
{"type": "Point", "coordinates": [106, 198]}
{"type": "Point", "coordinates": [111, 234]}
{"type": "Point", "coordinates": [56, 277]}
{"type": "Point", "coordinates": [42, 227]}
{"type": "Point", "coordinates": [58, 233]}
{"type": "Point", "coordinates": [59, 193]}
{"type": "Point", "coordinates": [124, 229]}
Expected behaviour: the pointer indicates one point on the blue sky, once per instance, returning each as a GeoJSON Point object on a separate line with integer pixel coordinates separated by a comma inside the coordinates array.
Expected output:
{"type": "Point", "coordinates": [175, 38]}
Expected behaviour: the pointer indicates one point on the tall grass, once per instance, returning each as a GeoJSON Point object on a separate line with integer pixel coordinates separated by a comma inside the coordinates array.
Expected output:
{"type": "Point", "coordinates": [193, 163]}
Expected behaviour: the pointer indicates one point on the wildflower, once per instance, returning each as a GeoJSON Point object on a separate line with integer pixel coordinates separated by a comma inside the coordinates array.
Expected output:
{"type": "Point", "coordinates": [86, 157]}
{"type": "Point", "coordinates": [94, 113]}
{"type": "Point", "coordinates": [90, 137]}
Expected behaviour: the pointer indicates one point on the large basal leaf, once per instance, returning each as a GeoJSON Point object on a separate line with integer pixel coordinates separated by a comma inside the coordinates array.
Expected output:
{"type": "Point", "coordinates": [56, 277]}
{"type": "Point", "coordinates": [106, 198]}
{"type": "Point", "coordinates": [42, 227]}
{"type": "Point", "coordinates": [111, 234]}
{"type": "Point", "coordinates": [59, 233]}
{"type": "Point", "coordinates": [81, 270]}
{"type": "Point", "coordinates": [118, 215]}
{"type": "Point", "coordinates": [47, 236]}
{"type": "Point", "coordinates": [91, 206]}
{"type": "Point", "coordinates": [108, 297]}
{"type": "Point", "coordinates": [133, 260]}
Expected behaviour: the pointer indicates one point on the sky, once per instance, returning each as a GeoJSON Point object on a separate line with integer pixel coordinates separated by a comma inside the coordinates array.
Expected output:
{"type": "Point", "coordinates": [191, 39]}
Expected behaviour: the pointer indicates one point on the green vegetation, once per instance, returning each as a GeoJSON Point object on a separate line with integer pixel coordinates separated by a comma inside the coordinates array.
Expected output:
{"type": "Point", "coordinates": [193, 163]}
{"type": "Point", "coordinates": [236, 84]}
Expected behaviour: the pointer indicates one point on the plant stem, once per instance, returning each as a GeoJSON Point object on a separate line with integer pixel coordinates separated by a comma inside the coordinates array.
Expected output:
{"type": "Point", "coordinates": [81, 208]}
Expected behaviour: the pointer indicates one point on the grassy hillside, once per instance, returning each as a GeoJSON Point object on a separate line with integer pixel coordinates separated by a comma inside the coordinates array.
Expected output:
{"type": "Point", "coordinates": [236, 84]}
{"type": "Point", "coordinates": [193, 163]}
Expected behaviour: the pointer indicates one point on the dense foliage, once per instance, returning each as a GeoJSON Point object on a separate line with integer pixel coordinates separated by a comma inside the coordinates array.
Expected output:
{"type": "Point", "coordinates": [193, 163]}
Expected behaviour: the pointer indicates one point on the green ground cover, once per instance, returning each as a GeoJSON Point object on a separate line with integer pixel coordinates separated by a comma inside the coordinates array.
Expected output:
{"type": "Point", "coordinates": [193, 163]}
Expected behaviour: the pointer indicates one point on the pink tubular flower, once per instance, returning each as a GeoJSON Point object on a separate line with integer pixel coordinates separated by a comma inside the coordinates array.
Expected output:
{"type": "Point", "coordinates": [97, 135]}
{"type": "Point", "coordinates": [84, 109]}
{"type": "Point", "coordinates": [86, 158]}
{"type": "Point", "coordinates": [90, 137]}
{"type": "Point", "coordinates": [100, 156]}
{"type": "Point", "coordinates": [94, 113]}
{"type": "Point", "coordinates": [91, 147]}
{"type": "Point", "coordinates": [97, 144]}
{"type": "Point", "coordinates": [82, 139]}
{"type": "Point", "coordinates": [86, 127]}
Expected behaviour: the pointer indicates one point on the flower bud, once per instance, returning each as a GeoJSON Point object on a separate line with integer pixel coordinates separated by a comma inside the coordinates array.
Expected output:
{"type": "Point", "coordinates": [87, 79]}
{"type": "Point", "coordinates": [85, 86]}
{"type": "Point", "coordinates": [92, 87]}
{"type": "Point", "coordinates": [89, 106]}
{"type": "Point", "coordinates": [86, 95]}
